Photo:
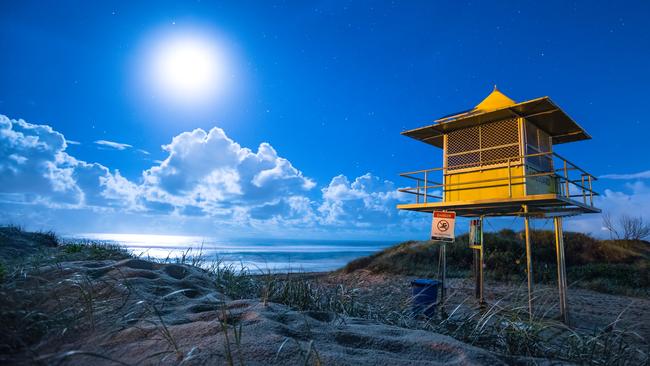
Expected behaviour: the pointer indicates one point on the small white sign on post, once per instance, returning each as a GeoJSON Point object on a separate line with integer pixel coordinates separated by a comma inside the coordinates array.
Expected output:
{"type": "Point", "coordinates": [442, 227]}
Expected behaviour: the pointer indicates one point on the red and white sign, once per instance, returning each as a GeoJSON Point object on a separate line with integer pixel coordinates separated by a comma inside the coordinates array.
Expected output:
{"type": "Point", "coordinates": [442, 227]}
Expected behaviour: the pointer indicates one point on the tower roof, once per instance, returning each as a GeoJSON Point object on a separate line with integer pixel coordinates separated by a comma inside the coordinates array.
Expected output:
{"type": "Point", "coordinates": [495, 100]}
{"type": "Point", "coordinates": [497, 106]}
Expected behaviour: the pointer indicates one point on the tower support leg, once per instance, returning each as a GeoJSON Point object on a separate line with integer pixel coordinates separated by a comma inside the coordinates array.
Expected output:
{"type": "Point", "coordinates": [480, 266]}
{"type": "Point", "coordinates": [477, 275]}
{"type": "Point", "coordinates": [529, 262]}
{"type": "Point", "coordinates": [561, 269]}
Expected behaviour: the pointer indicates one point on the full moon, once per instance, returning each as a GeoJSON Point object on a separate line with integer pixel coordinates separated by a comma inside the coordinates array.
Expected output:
{"type": "Point", "coordinates": [187, 68]}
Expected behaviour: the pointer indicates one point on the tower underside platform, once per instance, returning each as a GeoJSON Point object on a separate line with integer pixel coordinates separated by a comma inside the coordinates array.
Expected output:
{"type": "Point", "coordinates": [545, 205]}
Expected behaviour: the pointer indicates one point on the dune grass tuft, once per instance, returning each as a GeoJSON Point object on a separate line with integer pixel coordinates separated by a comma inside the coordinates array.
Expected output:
{"type": "Point", "coordinates": [91, 250]}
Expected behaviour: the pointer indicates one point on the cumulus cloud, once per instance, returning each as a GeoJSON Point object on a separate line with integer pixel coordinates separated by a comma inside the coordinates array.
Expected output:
{"type": "Point", "coordinates": [365, 202]}
{"type": "Point", "coordinates": [113, 144]}
{"type": "Point", "coordinates": [205, 176]}
{"type": "Point", "coordinates": [34, 167]}
{"type": "Point", "coordinates": [208, 170]}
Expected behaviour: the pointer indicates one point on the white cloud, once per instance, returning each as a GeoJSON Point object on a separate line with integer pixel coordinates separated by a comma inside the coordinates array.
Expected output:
{"type": "Point", "coordinates": [633, 200]}
{"type": "Point", "coordinates": [632, 176]}
{"type": "Point", "coordinates": [113, 144]}
{"type": "Point", "coordinates": [35, 168]}
{"type": "Point", "coordinates": [72, 142]}
{"type": "Point", "coordinates": [210, 171]}
{"type": "Point", "coordinates": [365, 202]}
{"type": "Point", "coordinates": [116, 188]}
{"type": "Point", "coordinates": [33, 164]}
{"type": "Point", "coordinates": [144, 152]}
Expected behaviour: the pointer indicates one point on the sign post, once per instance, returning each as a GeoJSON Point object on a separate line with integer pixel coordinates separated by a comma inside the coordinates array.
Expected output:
{"type": "Point", "coordinates": [442, 229]}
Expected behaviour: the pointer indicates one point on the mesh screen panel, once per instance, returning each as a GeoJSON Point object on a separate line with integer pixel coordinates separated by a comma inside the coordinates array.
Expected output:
{"type": "Point", "coordinates": [544, 141]}
{"type": "Point", "coordinates": [481, 145]}
{"type": "Point", "coordinates": [531, 134]}
{"type": "Point", "coordinates": [463, 140]}
{"type": "Point", "coordinates": [500, 154]}
{"type": "Point", "coordinates": [461, 161]}
{"type": "Point", "coordinates": [538, 141]}
{"type": "Point", "coordinates": [499, 133]}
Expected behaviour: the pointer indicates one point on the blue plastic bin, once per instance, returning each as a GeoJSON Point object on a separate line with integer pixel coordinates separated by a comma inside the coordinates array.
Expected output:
{"type": "Point", "coordinates": [424, 296]}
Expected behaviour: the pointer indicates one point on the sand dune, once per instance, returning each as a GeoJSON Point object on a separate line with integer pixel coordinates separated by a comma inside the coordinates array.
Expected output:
{"type": "Point", "coordinates": [150, 313]}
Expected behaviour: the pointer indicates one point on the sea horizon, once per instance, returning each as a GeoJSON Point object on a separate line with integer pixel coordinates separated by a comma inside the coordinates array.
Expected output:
{"type": "Point", "coordinates": [253, 254]}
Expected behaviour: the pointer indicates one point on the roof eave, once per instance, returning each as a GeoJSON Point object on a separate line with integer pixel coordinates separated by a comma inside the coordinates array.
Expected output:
{"type": "Point", "coordinates": [442, 126]}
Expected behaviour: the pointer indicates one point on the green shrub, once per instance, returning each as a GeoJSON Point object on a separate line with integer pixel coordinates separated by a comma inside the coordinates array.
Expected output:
{"type": "Point", "coordinates": [605, 265]}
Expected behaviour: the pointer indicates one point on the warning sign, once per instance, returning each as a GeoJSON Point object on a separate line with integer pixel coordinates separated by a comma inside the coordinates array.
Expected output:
{"type": "Point", "coordinates": [442, 227]}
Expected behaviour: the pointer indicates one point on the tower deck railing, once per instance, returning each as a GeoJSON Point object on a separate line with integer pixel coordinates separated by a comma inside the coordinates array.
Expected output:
{"type": "Point", "coordinates": [571, 181]}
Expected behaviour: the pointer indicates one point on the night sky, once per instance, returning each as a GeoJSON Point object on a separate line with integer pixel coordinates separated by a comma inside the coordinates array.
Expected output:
{"type": "Point", "coordinates": [325, 87]}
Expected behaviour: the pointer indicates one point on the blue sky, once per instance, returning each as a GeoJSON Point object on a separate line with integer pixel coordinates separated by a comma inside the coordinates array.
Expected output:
{"type": "Point", "coordinates": [325, 87]}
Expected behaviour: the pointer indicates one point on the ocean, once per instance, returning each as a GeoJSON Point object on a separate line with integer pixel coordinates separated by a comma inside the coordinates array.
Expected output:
{"type": "Point", "coordinates": [256, 255]}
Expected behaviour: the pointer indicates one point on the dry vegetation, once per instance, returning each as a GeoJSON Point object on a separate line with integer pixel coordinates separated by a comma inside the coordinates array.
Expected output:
{"type": "Point", "coordinates": [73, 303]}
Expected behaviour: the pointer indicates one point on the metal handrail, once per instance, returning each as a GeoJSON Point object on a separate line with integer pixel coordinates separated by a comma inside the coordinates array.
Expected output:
{"type": "Point", "coordinates": [564, 183]}
{"type": "Point", "coordinates": [474, 165]}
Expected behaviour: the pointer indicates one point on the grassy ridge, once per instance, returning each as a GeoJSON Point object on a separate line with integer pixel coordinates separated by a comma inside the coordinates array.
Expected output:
{"type": "Point", "coordinates": [614, 266]}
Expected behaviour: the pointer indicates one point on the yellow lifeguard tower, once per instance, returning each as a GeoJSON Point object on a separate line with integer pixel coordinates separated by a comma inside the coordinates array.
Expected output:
{"type": "Point", "coordinates": [498, 160]}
